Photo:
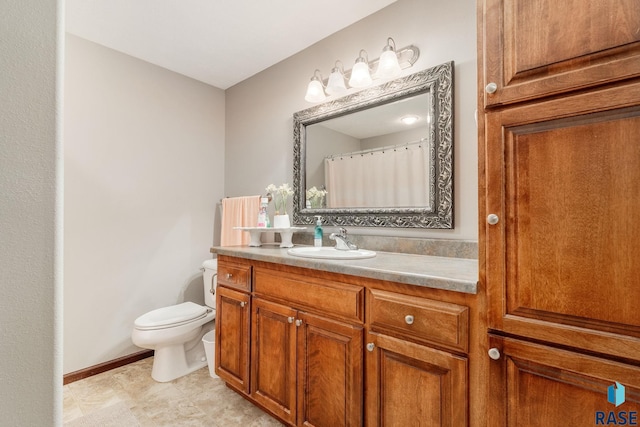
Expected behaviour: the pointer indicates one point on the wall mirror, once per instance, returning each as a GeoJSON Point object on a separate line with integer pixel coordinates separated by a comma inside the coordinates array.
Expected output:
{"type": "Point", "coordinates": [383, 155]}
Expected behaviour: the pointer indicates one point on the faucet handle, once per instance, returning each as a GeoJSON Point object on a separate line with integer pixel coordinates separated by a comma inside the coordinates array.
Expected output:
{"type": "Point", "coordinates": [343, 231]}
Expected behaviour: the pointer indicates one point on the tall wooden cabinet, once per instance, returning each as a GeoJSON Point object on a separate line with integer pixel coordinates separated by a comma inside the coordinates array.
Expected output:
{"type": "Point", "coordinates": [559, 86]}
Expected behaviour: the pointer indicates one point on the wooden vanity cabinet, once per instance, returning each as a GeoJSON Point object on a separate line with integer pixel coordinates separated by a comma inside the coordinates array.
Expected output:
{"type": "Point", "coordinates": [233, 309]}
{"type": "Point", "coordinates": [307, 362]}
{"type": "Point", "coordinates": [307, 344]}
{"type": "Point", "coordinates": [559, 174]}
{"type": "Point", "coordinates": [409, 384]}
{"type": "Point", "coordinates": [232, 337]}
{"type": "Point", "coordinates": [316, 377]}
{"type": "Point", "coordinates": [413, 374]}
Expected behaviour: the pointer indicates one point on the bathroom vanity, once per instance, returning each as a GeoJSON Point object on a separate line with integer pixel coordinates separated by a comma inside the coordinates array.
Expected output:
{"type": "Point", "coordinates": [382, 341]}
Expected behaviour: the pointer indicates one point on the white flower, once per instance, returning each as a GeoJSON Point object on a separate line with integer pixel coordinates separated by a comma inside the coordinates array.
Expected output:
{"type": "Point", "coordinates": [280, 195]}
{"type": "Point", "coordinates": [313, 193]}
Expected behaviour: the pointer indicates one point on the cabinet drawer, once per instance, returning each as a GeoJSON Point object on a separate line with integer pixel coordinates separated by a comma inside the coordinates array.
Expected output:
{"type": "Point", "coordinates": [425, 319]}
{"type": "Point", "coordinates": [312, 294]}
{"type": "Point", "coordinates": [234, 275]}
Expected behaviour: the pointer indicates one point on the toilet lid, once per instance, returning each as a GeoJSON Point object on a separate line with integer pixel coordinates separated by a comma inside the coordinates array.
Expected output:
{"type": "Point", "coordinates": [172, 315]}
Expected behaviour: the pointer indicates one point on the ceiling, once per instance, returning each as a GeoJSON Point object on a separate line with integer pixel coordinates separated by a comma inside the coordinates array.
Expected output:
{"type": "Point", "coordinates": [219, 42]}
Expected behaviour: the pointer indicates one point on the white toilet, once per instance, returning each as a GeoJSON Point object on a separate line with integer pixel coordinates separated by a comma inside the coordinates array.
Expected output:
{"type": "Point", "coordinates": [175, 333]}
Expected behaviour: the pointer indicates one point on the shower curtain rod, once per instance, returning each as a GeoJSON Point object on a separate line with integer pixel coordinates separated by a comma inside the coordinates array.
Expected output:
{"type": "Point", "coordinates": [378, 149]}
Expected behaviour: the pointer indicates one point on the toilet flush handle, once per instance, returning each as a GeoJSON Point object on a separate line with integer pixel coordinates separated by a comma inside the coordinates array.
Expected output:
{"type": "Point", "coordinates": [212, 289]}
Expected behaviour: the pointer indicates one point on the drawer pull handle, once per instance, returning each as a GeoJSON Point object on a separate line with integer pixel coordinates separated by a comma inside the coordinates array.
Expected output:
{"type": "Point", "coordinates": [290, 319]}
{"type": "Point", "coordinates": [229, 276]}
{"type": "Point", "coordinates": [491, 87]}
{"type": "Point", "coordinates": [408, 319]}
{"type": "Point", "coordinates": [494, 353]}
{"type": "Point", "coordinates": [298, 322]}
{"type": "Point", "coordinates": [370, 346]}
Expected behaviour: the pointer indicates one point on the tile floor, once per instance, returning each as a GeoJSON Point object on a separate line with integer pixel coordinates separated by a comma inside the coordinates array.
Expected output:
{"type": "Point", "coordinates": [193, 400]}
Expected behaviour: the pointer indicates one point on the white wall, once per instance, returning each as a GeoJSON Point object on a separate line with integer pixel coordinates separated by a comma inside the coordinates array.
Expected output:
{"type": "Point", "coordinates": [30, 215]}
{"type": "Point", "coordinates": [144, 168]}
{"type": "Point", "coordinates": [259, 125]}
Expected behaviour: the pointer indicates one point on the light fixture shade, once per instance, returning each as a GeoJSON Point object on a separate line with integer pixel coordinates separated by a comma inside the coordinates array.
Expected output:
{"type": "Point", "coordinates": [360, 76]}
{"type": "Point", "coordinates": [388, 65]}
{"type": "Point", "coordinates": [336, 85]}
{"type": "Point", "coordinates": [315, 90]}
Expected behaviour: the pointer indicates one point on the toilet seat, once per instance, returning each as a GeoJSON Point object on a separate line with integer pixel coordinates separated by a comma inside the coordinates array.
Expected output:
{"type": "Point", "coordinates": [171, 316]}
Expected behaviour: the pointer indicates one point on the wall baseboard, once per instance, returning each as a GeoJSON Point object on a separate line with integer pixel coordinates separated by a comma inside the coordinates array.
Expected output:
{"type": "Point", "coordinates": [106, 366]}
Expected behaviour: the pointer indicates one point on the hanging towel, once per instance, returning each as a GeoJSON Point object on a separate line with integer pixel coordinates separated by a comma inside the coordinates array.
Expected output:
{"type": "Point", "coordinates": [238, 212]}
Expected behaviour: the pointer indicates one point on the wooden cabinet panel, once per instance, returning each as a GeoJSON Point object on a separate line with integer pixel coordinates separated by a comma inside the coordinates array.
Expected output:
{"type": "Point", "coordinates": [419, 318]}
{"type": "Point", "coordinates": [307, 370]}
{"type": "Point", "coordinates": [534, 48]}
{"type": "Point", "coordinates": [232, 337]}
{"type": "Point", "coordinates": [234, 275]}
{"type": "Point", "coordinates": [330, 372]}
{"type": "Point", "coordinates": [536, 385]}
{"type": "Point", "coordinates": [329, 297]}
{"type": "Point", "coordinates": [273, 357]}
{"type": "Point", "coordinates": [412, 385]}
{"type": "Point", "coordinates": [562, 260]}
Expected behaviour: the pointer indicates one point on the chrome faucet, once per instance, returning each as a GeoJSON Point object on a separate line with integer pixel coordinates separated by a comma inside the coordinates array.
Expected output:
{"type": "Point", "coordinates": [342, 241]}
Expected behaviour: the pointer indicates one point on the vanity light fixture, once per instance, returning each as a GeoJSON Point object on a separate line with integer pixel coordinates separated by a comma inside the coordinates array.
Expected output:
{"type": "Point", "coordinates": [336, 84]}
{"type": "Point", "coordinates": [360, 76]}
{"type": "Point", "coordinates": [388, 67]}
{"type": "Point", "coordinates": [315, 90]}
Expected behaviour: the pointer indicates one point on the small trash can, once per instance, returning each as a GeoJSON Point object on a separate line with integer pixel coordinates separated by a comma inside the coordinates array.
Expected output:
{"type": "Point", "coordinates": [209, 350]}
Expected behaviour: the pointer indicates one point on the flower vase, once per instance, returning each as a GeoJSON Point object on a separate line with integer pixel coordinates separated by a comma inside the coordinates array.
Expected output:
{"type": "Point", "coordinates": [281, 221]}
{"type": "Point", "coordinates": [316, 202]}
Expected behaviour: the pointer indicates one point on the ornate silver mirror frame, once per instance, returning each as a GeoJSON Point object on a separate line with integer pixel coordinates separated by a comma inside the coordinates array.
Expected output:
{"type": "Point", "coordinates": [438, 81]}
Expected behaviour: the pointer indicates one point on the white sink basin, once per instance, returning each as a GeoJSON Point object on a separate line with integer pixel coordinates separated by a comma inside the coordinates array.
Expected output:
{"type": "Point", "coordinates": [326, 252]}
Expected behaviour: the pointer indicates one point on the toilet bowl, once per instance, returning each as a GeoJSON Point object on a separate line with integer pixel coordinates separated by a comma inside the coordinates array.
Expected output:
{"type": "Point", "coordinates": [175, 332]}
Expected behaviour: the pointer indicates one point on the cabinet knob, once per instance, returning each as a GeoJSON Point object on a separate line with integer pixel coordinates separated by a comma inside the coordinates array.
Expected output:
{"type": "Point", "coordinates": [493, 219]}
{"type": "Point", "coordinates": [408, 319]}
{"type": "Point", "coordinates": [290, 319]}
{"type": "Point", "coordinates": [494, 353]}
{"type": "Point", "coordinates": [491, 87]}
{"type": "Point", "coordinates": [370, 346]}
{"type": "Point", "coordinates": [229, 275]}
{"type": "Point", "coordinates": [242, 304]}
{"type": "Point", "coordinates": [298, 322]}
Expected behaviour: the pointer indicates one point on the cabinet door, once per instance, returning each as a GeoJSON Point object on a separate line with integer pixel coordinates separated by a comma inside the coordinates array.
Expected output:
{"type": "Point", "coordinates": [330, 372]}
{"type": "Point", "coordinates": [534, 48]}
{"type": "Point", "coordinates": [413, 385]}
{"type": "Point", "coordinates": [535, 385]}
{"type": "Point", "coordinates": [273, 355]}
{"type": "Point", "coordinates": [232, 337]}
{"type": "Point", "coordinates": [563, 179]}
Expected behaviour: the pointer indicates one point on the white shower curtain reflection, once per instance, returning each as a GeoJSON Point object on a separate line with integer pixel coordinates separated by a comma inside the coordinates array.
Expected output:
{"type": "Point", "coordinates": [395, 177]}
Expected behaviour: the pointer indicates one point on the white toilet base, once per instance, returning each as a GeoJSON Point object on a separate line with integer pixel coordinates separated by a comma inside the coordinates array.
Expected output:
{"type": "Point", "coordinates": [176, 360]}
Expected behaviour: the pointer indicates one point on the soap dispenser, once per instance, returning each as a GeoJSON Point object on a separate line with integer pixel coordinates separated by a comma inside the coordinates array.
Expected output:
{"type": "Point", "coordinates": [263, 217]}
{"type": "Point", "coordinates": [317, 235]}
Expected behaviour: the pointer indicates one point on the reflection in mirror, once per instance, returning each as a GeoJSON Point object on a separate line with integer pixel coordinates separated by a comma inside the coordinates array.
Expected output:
{"type": "Point", "coordinates": [379, 157]}
{"type": "Point", "coordinates": [374, 158]}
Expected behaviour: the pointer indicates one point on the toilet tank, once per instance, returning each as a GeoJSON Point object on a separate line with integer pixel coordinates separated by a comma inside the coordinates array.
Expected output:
{"type": "Point", "coordinates": [210, 281]}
